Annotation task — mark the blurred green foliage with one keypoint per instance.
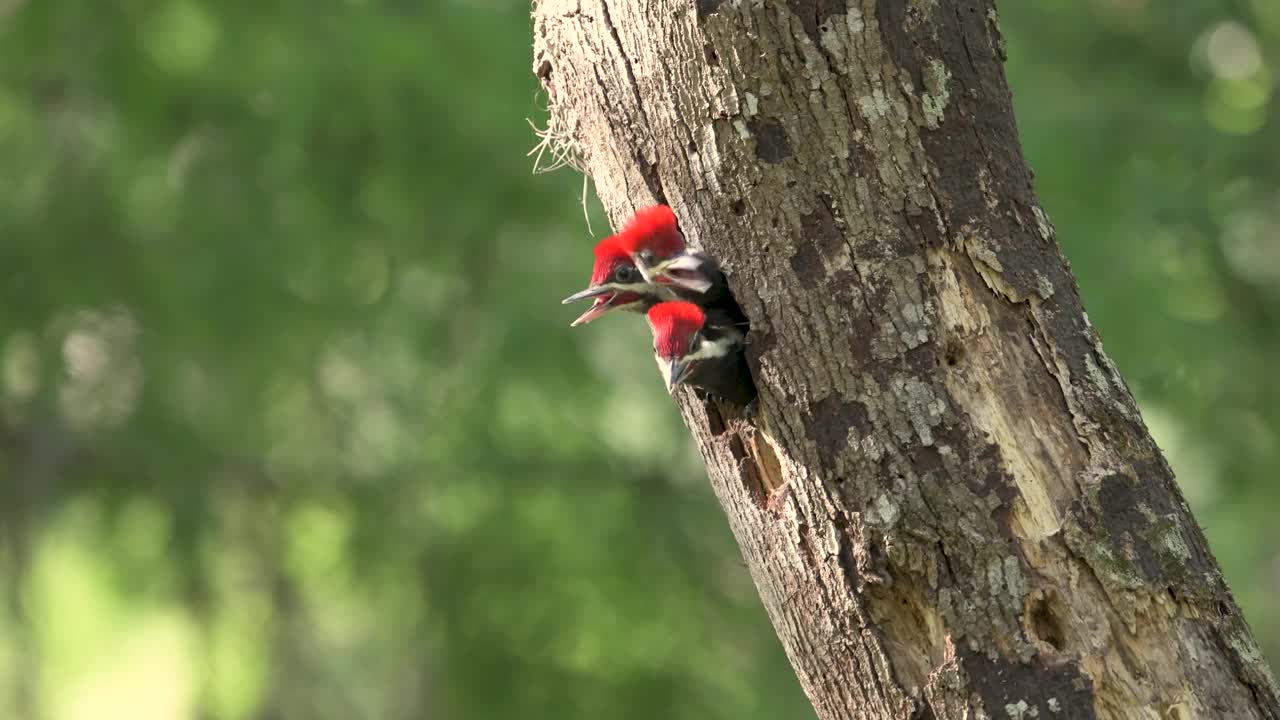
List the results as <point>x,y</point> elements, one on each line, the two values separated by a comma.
<point>292,426</point>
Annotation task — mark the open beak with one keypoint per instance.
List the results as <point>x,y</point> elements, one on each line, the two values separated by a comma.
<point>682,271</point>
<point>680,371</point>
<point>601,306</point>
<point>594,291</point>
<point>604,297</point>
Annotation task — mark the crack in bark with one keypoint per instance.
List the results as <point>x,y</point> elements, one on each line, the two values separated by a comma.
<point>648,169</point>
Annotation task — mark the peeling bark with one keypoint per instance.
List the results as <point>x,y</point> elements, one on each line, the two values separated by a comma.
<point>948,500</point>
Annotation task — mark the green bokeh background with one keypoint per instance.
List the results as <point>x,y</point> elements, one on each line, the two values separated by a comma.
<point>292,424</point>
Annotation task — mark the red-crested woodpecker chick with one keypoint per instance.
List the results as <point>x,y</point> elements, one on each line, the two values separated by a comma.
<point>703,353</point>
<point>652,236</point>
<point>653,239</point>
<point>616,284</point>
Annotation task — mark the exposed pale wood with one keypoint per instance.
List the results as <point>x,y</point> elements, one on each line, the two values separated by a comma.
<point>948,500</point>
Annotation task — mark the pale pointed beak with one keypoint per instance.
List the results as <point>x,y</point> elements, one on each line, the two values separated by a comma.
<point>601,306</point>
<point>683,271</point>
<point>680,371</point>
<point>591,292</point>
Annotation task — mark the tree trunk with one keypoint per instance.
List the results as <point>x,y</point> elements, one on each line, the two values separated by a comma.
<point>947,499</point>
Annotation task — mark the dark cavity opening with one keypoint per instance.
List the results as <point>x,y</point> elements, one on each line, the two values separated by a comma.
<point>1045,622</point>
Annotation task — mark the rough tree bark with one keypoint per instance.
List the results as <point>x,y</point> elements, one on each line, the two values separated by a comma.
<point>948,500</point>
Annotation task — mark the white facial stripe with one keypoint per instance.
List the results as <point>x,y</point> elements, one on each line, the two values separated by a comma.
<point>640,288</point>
<point>726,345</point>
<point>664,367</point>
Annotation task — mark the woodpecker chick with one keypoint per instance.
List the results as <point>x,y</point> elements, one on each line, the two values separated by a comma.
<point>657,246</point>
<point>703,353</point>
<point>616,284</point>
<point>652,236</point>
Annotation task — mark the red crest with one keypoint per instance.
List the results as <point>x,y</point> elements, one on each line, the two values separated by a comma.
<point>609,255</point>
<point>674,325</point>
<point>654,229</point>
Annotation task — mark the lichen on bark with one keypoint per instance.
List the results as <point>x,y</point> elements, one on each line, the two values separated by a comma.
<point>948,499</point>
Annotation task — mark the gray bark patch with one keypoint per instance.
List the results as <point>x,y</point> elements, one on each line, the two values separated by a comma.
<point>831,419</point>
<point>813,15</point>
<point>1144,524</point>
<point>807,264</point>
<point>892,18</point>
<point>1029,690</point>
<point>708,7</point>
<point>820,225</point>
<point>771,141</point>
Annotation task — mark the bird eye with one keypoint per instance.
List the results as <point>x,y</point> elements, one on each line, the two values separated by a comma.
<point>625,274</point>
